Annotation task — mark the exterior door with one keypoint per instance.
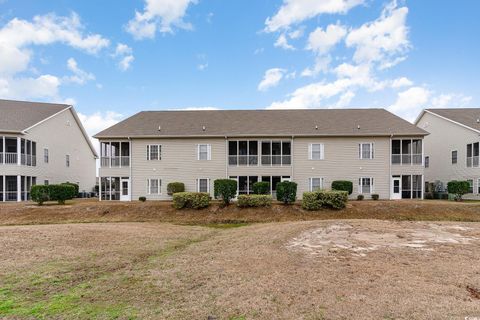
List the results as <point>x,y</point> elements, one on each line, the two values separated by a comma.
<point>124,189</point>
<point>396,188</point>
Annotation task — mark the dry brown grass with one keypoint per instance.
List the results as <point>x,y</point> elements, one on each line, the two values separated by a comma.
<point>80,211</point>
<point>163,271</point>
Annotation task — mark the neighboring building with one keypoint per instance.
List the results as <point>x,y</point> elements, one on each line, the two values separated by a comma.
<point>376,150</point>
<point>452,147</point>
<point>42,143</point>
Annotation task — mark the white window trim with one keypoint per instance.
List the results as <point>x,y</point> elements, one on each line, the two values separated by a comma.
<point>67,161</point>
<point>322,151</point>
<point>46,155</point>
<point>209,151</point>
<point>451,157</point>
<point>478,186</point>
<point>159,186</point>
<point>208,184</point>
<point>360,150</point>
<point>159,152</point>
<point>360,186</point>
<point>310,183</point>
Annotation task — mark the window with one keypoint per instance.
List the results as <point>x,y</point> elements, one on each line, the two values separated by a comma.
<point>276,153</point>
<point>316,151</point>
<point>407,151</point>
<point>45,155</point>
<point>154,186</point>
<point>454,157</point>
<point>46,182</point>
<point>315,184</point>
<point>365,185</point>
<point>203,185</point>
<point>67,160</point>
<point>470,182</point>
<point>154,152</point>
<point>204,152</point>
<point>365,150</point>
<point>478,185</point>
<point>427,161</point>
<point>243,153</point>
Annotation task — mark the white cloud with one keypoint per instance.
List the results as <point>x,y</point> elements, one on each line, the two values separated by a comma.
<point>322,64</point>
<point>282,42</point>
<point>79,76</point>
<point>202,66</point>
<point>383,39</point>
<point>195,109</point>
<point>125,55</point>
<point>450,101</point>
<point>271,78</point>
<point>296,34</point>
<point>401,82</point>
<point>159,15</point>
<point>98,121</point>
<point>344,100</point>
<point>410,102</point>
<point>322,41</point>
<point>44,86</point>
<point>295,11</point>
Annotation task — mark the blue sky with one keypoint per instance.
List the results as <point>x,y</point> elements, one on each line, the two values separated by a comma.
<point>112,60</point>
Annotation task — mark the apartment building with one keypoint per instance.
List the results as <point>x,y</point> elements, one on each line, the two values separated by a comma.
<point>452,148</point>
<point>42,143</point>
<point>376,150</point>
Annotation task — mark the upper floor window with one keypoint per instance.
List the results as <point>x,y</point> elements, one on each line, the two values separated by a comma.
<point>154,186</point>
<point>365,150</point>
<point>316,151</point>
<point>45,155</point>
<point>154,152</point>
<point>115,154</point>
<point>276,153</point>
<point>472,154</point>
<point>315,184</point>
<point>407,151</point>
<point>454,157</point>
<point>365,185</point>
<point>427,161</point>
<point>243,153</point>
<point>67,160</point>
<point>204,152</point>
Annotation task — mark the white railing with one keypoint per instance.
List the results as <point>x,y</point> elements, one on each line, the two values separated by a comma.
<point>473,161</point>
<point>243,160</point>
<point>115,162</point>
<point>407,158</point>
<point>10,158</point>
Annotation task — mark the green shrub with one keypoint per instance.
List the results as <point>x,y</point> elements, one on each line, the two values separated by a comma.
<point>60,192</point>
<point>375,196</point>
<point>192,200</point>
<point>261,187</point>
<point>174,187</point>
<point>324,199</point>
<point>360,197</point>
<point>225,189</point>
<point>343,185</point>
<point>254,200</point>
<point>458,188</point>
<point>39,194</point>
<point>75,186</point>
<point>142,199</point>
<point>286,192</point>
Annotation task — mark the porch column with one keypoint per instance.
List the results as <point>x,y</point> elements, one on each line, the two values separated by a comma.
<point>19,188</point>
<point>4,151</point>
<point>4,191</point>
<point>19,157</point>
<point>99,187</point>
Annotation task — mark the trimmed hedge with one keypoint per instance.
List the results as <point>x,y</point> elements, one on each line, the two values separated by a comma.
<point>53,192</point>
<point>287,192</point>
<point>192,200</point>
<point>174,187</point>
<point>254,200</point>
<point>225,189</point>
<point>458,188</point>
<point>142,199</point>
<point>360,197</point>
<point>261,187</point>
<point>77,188</point>
<point>375,196</point>
<point>343,185</point>
<point>324,199</point>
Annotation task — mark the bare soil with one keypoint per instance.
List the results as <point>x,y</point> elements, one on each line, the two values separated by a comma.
<point>332,269</point>
<point>161,211</point>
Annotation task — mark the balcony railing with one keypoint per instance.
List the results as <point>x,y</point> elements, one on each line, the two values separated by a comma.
<point>407,158</point>
<point>275,160</point>
<point>8,158</point>
<point>115,162</point>
<point>28,160</point>
<point>473,161</point>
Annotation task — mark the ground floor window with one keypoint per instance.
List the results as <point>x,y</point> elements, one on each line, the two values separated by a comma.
<point>154,186</point>
<point>315,184</point>
<point>478,185</point>
<point>470,184</point>
<point>203,185</point>
<point>411,186</point>
<point>14,188</point>
<point>245,183</point>
<point>110,188</point>
<point>365,185</point>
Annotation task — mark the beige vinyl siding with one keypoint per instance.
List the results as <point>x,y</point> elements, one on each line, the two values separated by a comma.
<point>444,138</point>
<point>61,135</point>
<point>179,163</point>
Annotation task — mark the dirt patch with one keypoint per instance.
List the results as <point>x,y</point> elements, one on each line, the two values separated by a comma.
<point>361,240</point>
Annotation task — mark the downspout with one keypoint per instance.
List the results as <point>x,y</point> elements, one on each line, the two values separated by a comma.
<point>390,169</point>
<point>291,159</point>
<point>226,157</point>
<point>131,178</point>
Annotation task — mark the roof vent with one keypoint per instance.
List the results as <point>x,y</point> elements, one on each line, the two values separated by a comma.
<point>316,127</point>
<point>358,127</point>
<point>159,128</point>
<point>203,128</point>
<point>478,120</point>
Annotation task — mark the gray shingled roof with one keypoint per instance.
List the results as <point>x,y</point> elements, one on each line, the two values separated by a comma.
<point>330,122</point>
<point>469,117</point>
<point>16,116</point>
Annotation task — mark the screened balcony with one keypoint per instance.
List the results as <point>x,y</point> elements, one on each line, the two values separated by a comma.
<point>114,154</point>
<point>407,152</point>
<point>18,151</point>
